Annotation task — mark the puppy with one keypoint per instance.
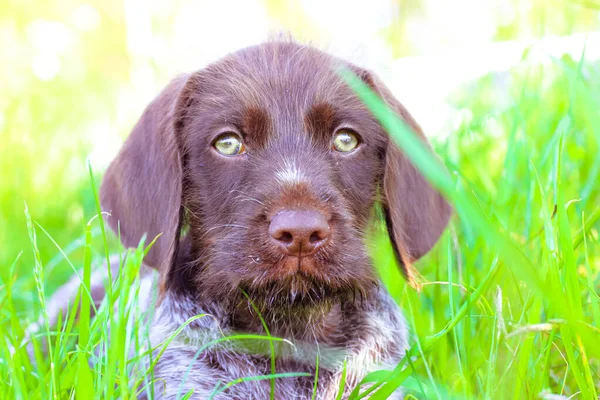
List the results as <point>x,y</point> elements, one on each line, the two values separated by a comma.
<point>261,174</point>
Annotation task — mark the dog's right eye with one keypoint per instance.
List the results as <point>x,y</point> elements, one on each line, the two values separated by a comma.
<point>229,144</point>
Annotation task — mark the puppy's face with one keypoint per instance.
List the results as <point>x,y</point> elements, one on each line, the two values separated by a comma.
<point>271,166</point>
<point>281,169</point>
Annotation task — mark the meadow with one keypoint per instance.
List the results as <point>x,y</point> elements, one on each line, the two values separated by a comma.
<point>509,300</point>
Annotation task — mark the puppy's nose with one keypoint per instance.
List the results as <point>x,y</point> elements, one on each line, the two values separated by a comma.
<point>299,233</point>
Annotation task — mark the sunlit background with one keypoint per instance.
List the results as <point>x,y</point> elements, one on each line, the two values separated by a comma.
<point>76,75</point>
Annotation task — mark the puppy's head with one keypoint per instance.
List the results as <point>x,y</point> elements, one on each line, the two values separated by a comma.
<point>269,167</point>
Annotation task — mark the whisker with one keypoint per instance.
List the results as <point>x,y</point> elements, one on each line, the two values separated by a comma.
<point>227,226</point>
<point>244,196</point>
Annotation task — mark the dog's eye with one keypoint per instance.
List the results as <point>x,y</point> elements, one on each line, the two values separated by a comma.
<point>345,141</point>
<point>229,144</point>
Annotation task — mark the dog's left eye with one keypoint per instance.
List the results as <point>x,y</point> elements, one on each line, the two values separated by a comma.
<point>229,144</point>
<point>345,141</point>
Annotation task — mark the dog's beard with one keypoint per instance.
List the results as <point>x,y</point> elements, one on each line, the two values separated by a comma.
<point>263,280</point>
<point>303,294</point>
<point>292,302</point>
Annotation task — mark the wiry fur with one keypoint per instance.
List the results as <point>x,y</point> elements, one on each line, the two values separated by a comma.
<point>215,256</point>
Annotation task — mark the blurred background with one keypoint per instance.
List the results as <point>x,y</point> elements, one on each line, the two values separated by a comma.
<point>76,75</point>
<point>491,82</point>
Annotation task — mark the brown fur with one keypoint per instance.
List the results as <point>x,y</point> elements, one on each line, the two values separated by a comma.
<point>286,101</point>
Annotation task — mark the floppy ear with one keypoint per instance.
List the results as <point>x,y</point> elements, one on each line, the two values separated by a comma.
<point>141,190</point>
<point>416,214</point>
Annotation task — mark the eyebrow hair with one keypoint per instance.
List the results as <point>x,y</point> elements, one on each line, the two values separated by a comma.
<point>256,125</point>
<point>320,121</point>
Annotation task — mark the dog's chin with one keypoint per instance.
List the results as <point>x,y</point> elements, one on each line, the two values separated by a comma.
<point>303,285</point>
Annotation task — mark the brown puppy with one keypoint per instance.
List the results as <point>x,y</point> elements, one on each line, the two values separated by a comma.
<point>261,172</point>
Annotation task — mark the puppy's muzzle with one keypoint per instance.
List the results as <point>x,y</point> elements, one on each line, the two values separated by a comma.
<point>299,233</point>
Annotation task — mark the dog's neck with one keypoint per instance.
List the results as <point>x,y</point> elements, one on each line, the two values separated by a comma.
<point>322,324</point>
<point>372,331</point>
<point>326,324</point>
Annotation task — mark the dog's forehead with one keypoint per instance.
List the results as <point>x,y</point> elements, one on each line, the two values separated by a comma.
<point>272,75</point>
<point>279,89</point>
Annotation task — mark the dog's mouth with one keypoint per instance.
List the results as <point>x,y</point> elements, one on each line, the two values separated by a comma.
<point>298,292</point>
<point>297,265</point>
<point>299,283</point>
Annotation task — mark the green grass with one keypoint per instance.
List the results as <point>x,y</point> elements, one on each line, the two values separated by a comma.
<point>509,306</point>
<point>526,319</point>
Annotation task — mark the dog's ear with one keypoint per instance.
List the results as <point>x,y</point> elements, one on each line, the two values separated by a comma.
<point>416,214</point>
<point>142,188</point>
